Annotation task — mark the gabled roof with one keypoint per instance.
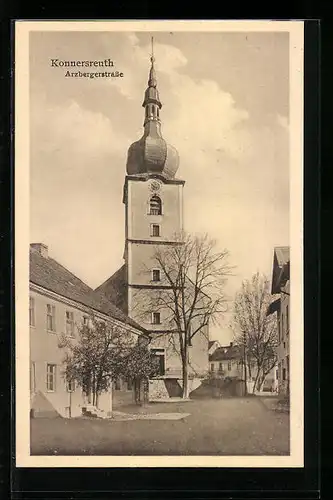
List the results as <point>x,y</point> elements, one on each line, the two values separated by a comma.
<point>281,267</point>
<point>49,274</point>
<point>115,288</point>
<point>226,353</point>
<point>282,255</point>
<point>211,343</point>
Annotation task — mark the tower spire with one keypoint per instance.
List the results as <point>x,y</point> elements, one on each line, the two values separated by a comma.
<point>151,153</point>
<point>152,50</point>
<point>152,82</point>
<point>152,103</point>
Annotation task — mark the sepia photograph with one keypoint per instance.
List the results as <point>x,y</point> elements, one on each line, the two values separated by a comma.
<point>159,310</point>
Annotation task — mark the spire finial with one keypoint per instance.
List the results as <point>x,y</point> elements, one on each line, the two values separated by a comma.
<point>152,58</point>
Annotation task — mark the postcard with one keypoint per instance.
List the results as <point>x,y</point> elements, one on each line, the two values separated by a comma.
<point>159,243</point>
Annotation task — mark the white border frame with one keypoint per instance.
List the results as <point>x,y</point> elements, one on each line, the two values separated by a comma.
<point>296,44</point>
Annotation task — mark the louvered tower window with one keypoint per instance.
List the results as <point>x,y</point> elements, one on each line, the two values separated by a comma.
<point>155,205</point>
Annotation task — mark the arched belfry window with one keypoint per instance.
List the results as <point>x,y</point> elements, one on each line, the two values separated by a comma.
<point>155,205</point>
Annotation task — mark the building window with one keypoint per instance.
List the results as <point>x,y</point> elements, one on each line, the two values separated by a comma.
<point>70,384</point>
<point>220,367</point>
<point>33,376</point>
<point>50,318</point>
<point>229,366</point>
<point>31,311</point>
<point>155,230</point>
<point>160,355</point>
<point>212,367</point>
<point>156,318</point>
<point>282,327</point>
<point>287,318</point>
<point>51,378</point>
<point>155,205</point>
<point>85,320</point>
<point>70,323</point>
<point>156,275</point>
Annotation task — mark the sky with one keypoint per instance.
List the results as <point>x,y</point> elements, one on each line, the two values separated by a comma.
<point>225,108</point>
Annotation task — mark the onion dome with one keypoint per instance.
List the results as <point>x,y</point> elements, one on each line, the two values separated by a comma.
<point>151,154</point>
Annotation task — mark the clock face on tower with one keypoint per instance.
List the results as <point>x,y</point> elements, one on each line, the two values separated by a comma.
<point>155,186</point>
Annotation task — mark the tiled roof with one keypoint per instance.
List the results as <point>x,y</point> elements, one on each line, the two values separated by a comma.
<point>281,268</point>
<point>115,288</point>
<point>225,353</point>
<point>49,274</point>
<point>282,255</point>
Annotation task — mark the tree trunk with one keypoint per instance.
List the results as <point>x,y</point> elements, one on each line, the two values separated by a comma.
<point>256,380</point>
<point>185,379</point>
<point>245,373</point>
<point>145,382</point>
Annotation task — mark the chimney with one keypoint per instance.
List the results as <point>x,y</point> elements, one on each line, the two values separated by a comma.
<point>40,248</point>
<point>231,344</point>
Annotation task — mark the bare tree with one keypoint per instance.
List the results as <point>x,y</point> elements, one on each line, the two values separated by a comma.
<point>255,331</point>
<point>191,295</point>
<point>102,353</point>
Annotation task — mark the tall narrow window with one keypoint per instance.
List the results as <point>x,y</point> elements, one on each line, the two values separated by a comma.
<point>33,376</point>
<point>155,230</point>
<point>31,311</point>
<point>220,367</point>
<point>287,318</point>
<point>51,378</point>
<point>282,326</point>
<point>156,275</point>
<point>155,205</point>
<point>156,318</point>
<point>50,318</point>
<point>212,367</point>
<point>70,323</point>
<point>229,366</point>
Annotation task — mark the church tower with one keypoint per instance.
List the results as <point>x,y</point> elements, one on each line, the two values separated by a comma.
<point>153,199</point>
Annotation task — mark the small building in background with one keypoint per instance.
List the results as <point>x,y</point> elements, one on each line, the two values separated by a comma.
<point>226,361</point>
<point>281,307</point>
